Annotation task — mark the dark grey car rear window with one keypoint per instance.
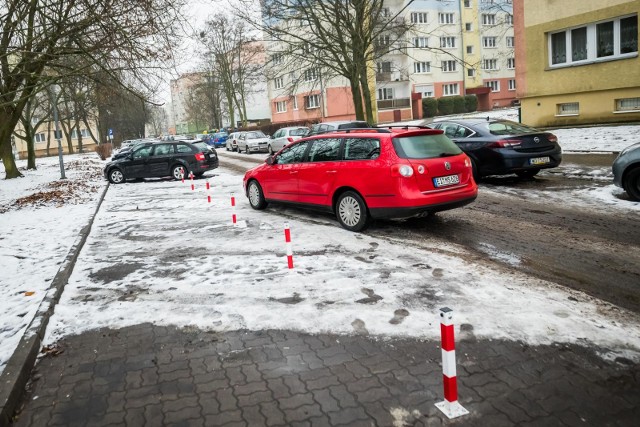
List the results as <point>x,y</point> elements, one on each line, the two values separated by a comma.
<point>425,147</point>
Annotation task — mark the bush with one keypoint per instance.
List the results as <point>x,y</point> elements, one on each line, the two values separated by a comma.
<point>429,107</point>
<point>458,104</point>
<point>470,103</point>
<point>104,150</point>
<point>445,105</point>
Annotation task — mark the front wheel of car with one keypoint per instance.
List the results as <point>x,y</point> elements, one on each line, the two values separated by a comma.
<point>256,196</point>
<point>246,150</point>
<point>270,149</point>
<point>631,184</point>
<point>351,211</point>
<point>227,147</point>
<point>528,173</point>
<point>178,172</point>
<point>116,176</point>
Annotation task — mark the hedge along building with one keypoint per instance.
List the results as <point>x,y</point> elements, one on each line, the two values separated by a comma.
<point>578,61</point>
<point>453,48</point>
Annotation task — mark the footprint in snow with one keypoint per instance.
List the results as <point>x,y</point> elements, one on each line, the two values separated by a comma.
<point>372,297</point>
<point>359,327</point>
<point>437,272</point>
<point>398,316</point>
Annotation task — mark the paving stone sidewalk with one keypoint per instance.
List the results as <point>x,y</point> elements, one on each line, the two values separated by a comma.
<point>157,376</point>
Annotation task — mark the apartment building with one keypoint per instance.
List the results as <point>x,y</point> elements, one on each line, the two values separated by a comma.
<point>578,61</point>
<point>453,47</point>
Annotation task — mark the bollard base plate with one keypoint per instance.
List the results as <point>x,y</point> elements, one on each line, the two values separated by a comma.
<point>451,409</point>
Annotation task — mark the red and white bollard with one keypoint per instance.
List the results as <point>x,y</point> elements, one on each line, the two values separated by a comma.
<point>182,175</point>
<point>193,187</point>
<point>208,192</point>
<point>450,406</point>
<point>233,209</point>
<point>287,239</point>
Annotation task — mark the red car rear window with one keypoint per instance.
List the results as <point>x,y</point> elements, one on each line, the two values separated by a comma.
<point>425,146</point>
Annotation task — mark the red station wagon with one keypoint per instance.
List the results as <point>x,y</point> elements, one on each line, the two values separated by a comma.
<point>359,174</point>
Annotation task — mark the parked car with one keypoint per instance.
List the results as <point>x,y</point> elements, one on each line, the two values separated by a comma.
<point>360,174</point>
<point>232,141</point>
<point>502,147</point>
<point>127,146</point>
<point>285,136</point>
<point>253,141</point>
<point>161,159</point>
<point>626,171</point>
<point>219,139</point>
<point>325,127</point>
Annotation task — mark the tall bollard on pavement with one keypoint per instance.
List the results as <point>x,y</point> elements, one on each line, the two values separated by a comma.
<point>233,209</point>
<point>193,187</point>
<point>287,239</point>
<point>208,192</point>
<point>450,406</point>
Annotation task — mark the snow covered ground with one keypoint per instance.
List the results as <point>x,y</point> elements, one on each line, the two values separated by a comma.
<point>336,286</point>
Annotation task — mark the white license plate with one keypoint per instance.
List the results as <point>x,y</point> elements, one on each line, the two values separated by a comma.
<point>539,160</point>
<point>446,180</point>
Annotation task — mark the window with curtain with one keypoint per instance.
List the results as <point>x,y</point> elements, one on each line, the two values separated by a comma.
<point>604,39</point>
<point>629,34</point>
<point>558,48</point>
<point>579,44</point>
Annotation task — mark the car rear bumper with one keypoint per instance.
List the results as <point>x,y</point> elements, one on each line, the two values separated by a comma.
<point>417,211</point>
<point>506,162</point>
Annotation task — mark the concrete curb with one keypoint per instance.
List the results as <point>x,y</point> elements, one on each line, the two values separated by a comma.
<point>18,369</point>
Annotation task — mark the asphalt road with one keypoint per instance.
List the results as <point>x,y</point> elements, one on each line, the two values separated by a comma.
<point>595,251</point>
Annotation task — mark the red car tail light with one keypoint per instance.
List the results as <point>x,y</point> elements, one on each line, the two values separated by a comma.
<point>200,157</point>
<point>552,138</point>
<point>505,143</point>
<point>401,170</point>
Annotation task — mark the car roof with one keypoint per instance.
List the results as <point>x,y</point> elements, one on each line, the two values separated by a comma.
<point>394,131</point>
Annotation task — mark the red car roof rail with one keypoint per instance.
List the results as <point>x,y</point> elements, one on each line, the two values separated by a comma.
<point>349,130</point>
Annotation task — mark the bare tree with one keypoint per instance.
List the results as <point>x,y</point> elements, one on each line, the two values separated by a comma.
<point>37,38</point>
<point>157,120</point>
<point>36,112</point>
<point>334,38</point>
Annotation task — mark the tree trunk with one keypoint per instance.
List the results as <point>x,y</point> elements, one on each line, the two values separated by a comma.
<point>48,138</point>
<point>7,124</point>
<point>357,97</point>
<point>366,94</point>
<point>31,149</point>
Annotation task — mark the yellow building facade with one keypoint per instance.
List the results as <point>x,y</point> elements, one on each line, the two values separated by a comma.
<point>577,61</point>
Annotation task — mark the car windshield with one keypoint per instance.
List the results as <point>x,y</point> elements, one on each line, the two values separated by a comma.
<point>255,135</point>
<point>509,128</point>
<point>298,132</point>
<point>425,147</point>
<point>203,146</point>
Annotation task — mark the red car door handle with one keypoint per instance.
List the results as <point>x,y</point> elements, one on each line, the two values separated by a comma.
<point>292,172</point>
<point>331,171</point>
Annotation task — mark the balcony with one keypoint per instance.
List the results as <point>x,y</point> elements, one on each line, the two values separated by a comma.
<point>392,104</point>
<point>395,76</point>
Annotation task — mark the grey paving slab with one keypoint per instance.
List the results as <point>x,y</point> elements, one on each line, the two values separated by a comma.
<point>155,376</point>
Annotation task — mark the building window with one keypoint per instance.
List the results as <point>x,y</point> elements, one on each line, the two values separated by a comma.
<point>425,90</point>
<point>450,89</point>
<point>471,72</point>
<point>467,3</point>
<point>447,42</point>
<point>277,58</point>
<point>568,109</point>
<point>421,41</point>
<point>384,67</point>
<point>385,12</point>
<point>494,85</point>
<point>617,38</point>
<point>508,18</point>
<point>39,137</point>
<point>384,40</point>
<point>385,93</point>
<point>467,26</point>
<point>489,41</point>
<point>448,66</point>
<point>445,18</point>
<point>295,102</point>
<point>511,41</point>
<point>312,101</point>
<point>512,84</point>
<point>281,106</point>
<point>279,82</point>
<point>627,104</point>
<point>469,50</point>
<point>421,67</point>
<point>310,74</point>
<point>488,19</point>
<point>418,17</point>
<point>511,63</point>
<point>490,64</point>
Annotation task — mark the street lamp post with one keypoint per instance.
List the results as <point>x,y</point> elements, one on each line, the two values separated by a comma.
<point>58,136</point>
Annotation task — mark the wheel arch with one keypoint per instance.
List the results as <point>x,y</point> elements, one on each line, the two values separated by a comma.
<point>341,190</point>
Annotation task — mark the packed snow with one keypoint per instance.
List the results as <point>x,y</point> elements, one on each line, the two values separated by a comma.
<point>342,282</point>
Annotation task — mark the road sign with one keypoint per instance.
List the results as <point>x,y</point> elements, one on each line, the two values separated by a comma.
<point>110,132</point>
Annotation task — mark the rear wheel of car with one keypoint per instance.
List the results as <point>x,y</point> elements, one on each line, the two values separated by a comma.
<point>256,197</point>
<point>474,171</point>
<point>351,211</point>
<point>529,173</point>
<point>631,184</point>
<point>178,172</point>
<point>227,147</point>
<point>116,176</point>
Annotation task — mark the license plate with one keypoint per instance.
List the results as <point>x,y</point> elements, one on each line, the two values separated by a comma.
<point>443,181</point>
<point>539,160</point>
